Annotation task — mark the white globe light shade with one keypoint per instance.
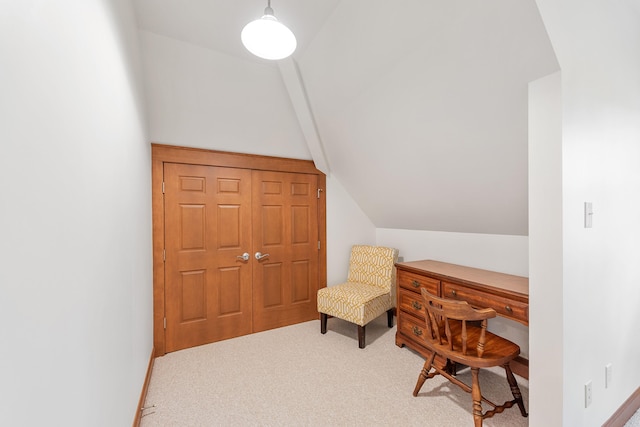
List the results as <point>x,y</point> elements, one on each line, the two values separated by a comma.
<point>268,38</point>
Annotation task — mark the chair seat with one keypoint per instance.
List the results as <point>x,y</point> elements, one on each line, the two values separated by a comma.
<point>497,350</point>
<point>355,302</point>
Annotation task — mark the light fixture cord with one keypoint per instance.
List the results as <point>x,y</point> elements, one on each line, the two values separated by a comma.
<point>268,10</point>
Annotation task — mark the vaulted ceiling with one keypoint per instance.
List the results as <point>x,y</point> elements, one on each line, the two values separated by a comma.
<point>420,105</point>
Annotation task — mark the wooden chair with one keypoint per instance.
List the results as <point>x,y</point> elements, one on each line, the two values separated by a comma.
<point>457,332</point>
<point>368,292</point>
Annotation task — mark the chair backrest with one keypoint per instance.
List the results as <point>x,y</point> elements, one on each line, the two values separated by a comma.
<point>447,324</point>
<point>373,265</point>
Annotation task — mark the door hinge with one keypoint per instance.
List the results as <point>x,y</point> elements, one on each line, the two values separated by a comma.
<point>319,190</point>
<point>164,255</point>
<point>165,323</point>
<point>162,187</point>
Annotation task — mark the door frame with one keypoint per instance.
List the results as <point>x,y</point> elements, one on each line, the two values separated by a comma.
<point>161,154</point>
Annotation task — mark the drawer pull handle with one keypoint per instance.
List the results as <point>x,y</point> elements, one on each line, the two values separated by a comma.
<point>415,284</point>
<point>416,305</point>
<point>509,309</point>
<point>417,331</point>
<point>454,293</point>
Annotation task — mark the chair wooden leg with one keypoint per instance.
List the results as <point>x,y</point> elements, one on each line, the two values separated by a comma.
<point>323,323</point>
<point>390,318</point>
<point>423,374</point>
<point>361,342</point>
<point>515,390</point>
<point>476,394</point>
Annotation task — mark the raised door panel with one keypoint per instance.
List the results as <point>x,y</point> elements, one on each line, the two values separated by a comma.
<point>207,226</point>
<point>285,228</point>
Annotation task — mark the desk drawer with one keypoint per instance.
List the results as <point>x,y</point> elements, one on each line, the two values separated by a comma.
<point>505,307</point>
<point>413,328</point>
<point>414,282</point>
<point>411,302</point>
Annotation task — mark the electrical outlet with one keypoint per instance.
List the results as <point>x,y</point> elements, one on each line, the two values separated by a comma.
<point>588,395</point>
<point>608,375</point>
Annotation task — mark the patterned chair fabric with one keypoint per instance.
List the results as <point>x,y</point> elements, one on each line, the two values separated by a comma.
<point>370,287</point>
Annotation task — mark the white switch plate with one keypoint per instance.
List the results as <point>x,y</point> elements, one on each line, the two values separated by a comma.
<point>588,214</point>
<point>608,375</point>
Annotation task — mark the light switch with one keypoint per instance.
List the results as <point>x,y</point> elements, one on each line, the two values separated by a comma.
<point>588,214</point>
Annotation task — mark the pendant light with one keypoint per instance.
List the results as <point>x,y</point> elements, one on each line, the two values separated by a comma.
<point>267,37</point>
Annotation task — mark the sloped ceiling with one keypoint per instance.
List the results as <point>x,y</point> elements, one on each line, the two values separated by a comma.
<point>420,105</point>
<point>216,24</point>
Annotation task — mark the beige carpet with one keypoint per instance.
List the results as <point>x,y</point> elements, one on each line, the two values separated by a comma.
<point>295,376</point>
<point>634,421</point>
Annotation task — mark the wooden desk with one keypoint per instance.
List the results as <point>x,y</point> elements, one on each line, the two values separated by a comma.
<point>507,294</point>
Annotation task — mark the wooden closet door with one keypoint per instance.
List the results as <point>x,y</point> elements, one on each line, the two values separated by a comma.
<point>207,226</point>
<point>285,226</point>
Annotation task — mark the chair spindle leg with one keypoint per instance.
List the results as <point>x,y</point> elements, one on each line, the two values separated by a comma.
<point>476,394</point>
<point>423,374</point>
<point>515,390</point>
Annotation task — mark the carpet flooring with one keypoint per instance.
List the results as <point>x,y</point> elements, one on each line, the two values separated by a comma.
<point>294,376</point>
<point>634,421</point>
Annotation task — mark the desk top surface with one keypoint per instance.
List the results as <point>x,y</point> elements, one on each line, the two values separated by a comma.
<point>471,275</point>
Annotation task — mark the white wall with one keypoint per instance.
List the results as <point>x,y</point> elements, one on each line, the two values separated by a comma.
<point>598,46</point>
<point>545,252</point>
<point>425,103</point>
<point>198,97</point>
<point>506,254</point>
<point>347,225</point>
<point>75,216</point>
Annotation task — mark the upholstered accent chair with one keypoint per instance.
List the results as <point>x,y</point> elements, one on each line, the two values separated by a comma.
<point>370,290</point>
